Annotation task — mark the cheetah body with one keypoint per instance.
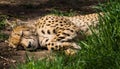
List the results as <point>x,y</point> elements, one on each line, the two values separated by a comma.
<point>53,32</point>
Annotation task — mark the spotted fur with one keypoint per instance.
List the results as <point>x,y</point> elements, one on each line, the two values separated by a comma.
<point>53,32</point>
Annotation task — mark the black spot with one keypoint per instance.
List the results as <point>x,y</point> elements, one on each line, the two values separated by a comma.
<point>88,19</point>
<point>56,46</point>
<point>44,21</point>
<point>45,44</point>
<point>52,44</point>
<point>61,37</point>
<point>42,18</point>
<point>54,31</point>
<point>60,22</point>
<point>48,31</point>
<point>67,29</point>
<point>58,39</point>
<point>57,28</point>
<point>42,31</point>
<point>46,18</point>
<point>49,21</point>
<point>58,34</point>
<point>48,44</point>
<point>59,48</point>
<point>56,21</point>
<point>71,30</point>
<point>46,40</point>
<point>61,25</point>
<point>64,21</point>
<point>64,47</point>
<point>66,34</point>
<point>42,26</point>
<point>56,24</point>
<point>83,26</point>
<point>39,26</point>
<point>52,48</point>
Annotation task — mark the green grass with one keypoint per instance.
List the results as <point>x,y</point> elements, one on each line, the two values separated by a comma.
<point>63,13</point>
<point>2,27</point>
<point>3,36</point>
<point>99,51</point>
<point>2,21</point>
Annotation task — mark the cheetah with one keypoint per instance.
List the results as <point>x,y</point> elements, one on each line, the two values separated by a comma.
<point>54,32</point>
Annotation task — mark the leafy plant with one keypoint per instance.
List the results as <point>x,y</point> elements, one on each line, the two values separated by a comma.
<point>2,21</point>
<point>63,13</point>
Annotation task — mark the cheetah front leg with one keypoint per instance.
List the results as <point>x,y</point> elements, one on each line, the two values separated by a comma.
<point>67,47</point>
<point>62,46</point>
<point>56,45</point>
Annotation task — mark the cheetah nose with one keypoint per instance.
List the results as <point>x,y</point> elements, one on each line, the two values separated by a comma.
<point>29,45</point>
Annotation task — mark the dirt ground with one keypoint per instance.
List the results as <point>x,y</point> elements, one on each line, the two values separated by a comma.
<point>30,11</point>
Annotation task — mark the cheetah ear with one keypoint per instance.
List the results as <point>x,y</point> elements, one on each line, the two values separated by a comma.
<point>15,23</point>
<point>12,24</point>
<point>8,23</point>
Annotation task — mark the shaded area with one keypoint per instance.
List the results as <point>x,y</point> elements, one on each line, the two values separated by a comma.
<point>29,10</point>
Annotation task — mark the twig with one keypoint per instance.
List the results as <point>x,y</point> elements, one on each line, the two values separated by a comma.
<point>9,60</point>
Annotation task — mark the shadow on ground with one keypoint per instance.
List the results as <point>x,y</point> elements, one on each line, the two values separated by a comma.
<point>30,10</point>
